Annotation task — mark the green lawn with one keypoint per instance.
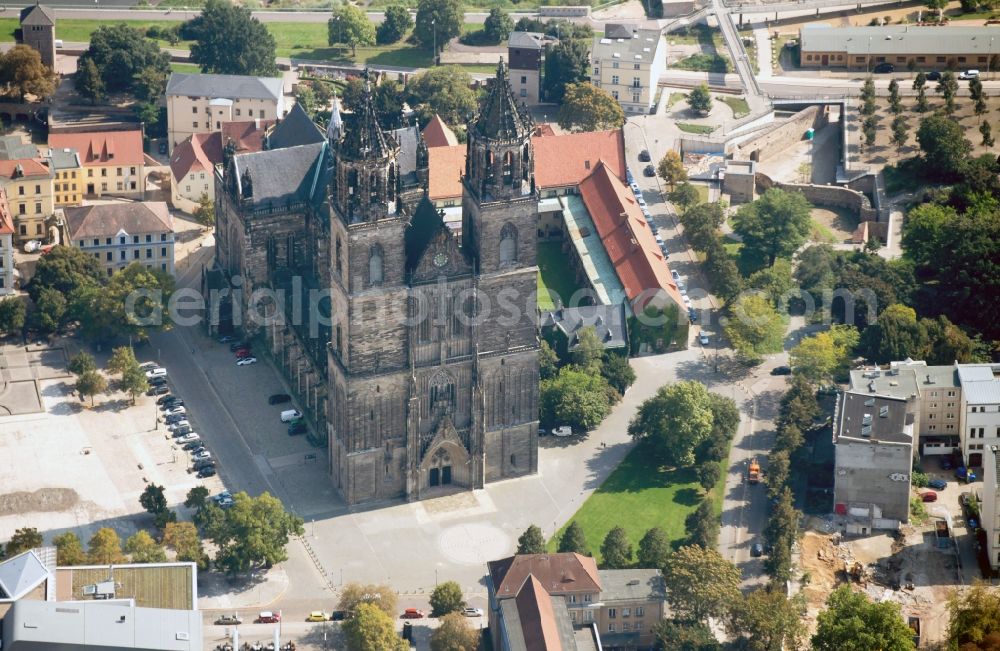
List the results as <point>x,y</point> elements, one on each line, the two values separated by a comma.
<point>820,233</point>
<point>695,128</point>
<point>185,67</point>
<point>638,496</point>
<point>554,276</point>
<point>702,192</point>
<point>738,105</point>
<point>674,98</point>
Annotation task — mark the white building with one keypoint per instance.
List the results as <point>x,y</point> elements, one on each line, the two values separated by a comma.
<point>628,62</point>
<point>980,402</point>
<point>118,234</point>
<point>6,246</point>
<point>990,510</point>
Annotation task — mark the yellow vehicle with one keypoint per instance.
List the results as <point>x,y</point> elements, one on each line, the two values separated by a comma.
<point>317,616</point>
<point>753,474</point>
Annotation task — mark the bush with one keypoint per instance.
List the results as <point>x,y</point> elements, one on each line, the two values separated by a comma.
<point>919,479</point>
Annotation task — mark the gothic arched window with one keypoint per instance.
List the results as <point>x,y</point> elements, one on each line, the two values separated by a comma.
<point>373,188</point>
<point>508,244</point>
<point>525,161</point>
<point>339,257</point>
<point>375,264</point>
<point>442,392</point>
<point>508,168</point>
<point>391,189</point>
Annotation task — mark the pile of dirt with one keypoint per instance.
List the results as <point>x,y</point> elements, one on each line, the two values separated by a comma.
<point>43,499</point>
<point>822,560</point>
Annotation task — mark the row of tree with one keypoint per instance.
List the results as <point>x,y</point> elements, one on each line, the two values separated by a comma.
<point>90,382</point>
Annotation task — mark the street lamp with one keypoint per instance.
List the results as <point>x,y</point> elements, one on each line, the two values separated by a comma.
<point>435,41</point>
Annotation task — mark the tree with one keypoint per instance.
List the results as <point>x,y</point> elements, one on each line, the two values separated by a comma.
<point>775,281</point>
<point>924,229</point>
<point>90,384</point>
<point>700,583</point>
<point>675,420</point>
<point>81,363</point>
<point>438,21</point>
<point>616,550</point>
<point>765,620</point>
<point>12,312</point>
<point>895,335</point>
<point>105,547</point>
<point>349,24</point>
<point>23,73</point>
<point>773,226</point>
<point>671,169</point>
<point>143,549</point>
<point>852,623</point>
<point>205,212</point>
<point>446,598</point>
<point>196,498</point>
<point>573,540</point>
<point>548,361</point>
<point>900,131</point>
<point>183,538</point>
<point>354,595</point>
<point>153,499</point>
<point>702,526</point>
<point>574,397</point>
<point>88,81</point>
<point>675,635</point>
<point>936,5</point>
<point>497,26</point>
<point>922,105</point>
<point>781,531</point>
<point>708,474</point>
<point>567,62</point>
<point>69,550</point>
<point>685,196</point>
<point>779,468</point>
<point>946,343</point>
<point>122,359</point>
<point>531,541</point>
<point>128,61</point>
<point>895,105</point>
<point>948,87</point>
<point>65,269</point>
<point>396,24</point>
<point>869,128</point>
<point>700,99</point>
<point>987,133</point>
<point>132,304</point>
<point>654,548</point>
<point>455,634</point>
<point>618,372</point>
<point>920,81</point>
<point>254,531</point>
<point>980,106</point>
<point>588,354</point>
<point>868,97</point>
<point>23,539</point>
<point>230,41</point>
<point>975,617</point>
<point>447,90</point>
<point>722,272</point>
<point>755,328</point>
<point>824,355</point>
<point>586,107</point>
<point>370,628</point>
<point>702,221</point>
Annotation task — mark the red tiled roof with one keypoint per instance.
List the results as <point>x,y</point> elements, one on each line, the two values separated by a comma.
<point>248,135</point>
<point>6,219</point>
<point>544,129</point>
<point>102,147</point>
<point>538,618</point>
<point>557,573</point>
<point>30,168</point>
<point>630,243</point>
<point>438,134</point>
<point>203,151</point>
<point>567,159</point>
<point>445,168</point>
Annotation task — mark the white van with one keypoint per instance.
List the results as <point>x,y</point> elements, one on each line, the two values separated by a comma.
<point>59,43</point>
<point>289,415</point>
<point>969,74</point>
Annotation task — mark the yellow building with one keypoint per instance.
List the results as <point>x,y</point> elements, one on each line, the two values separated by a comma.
<point>68,177</point>
<point>627,63</point>
<point>28,184</point>
<point>113,161</point>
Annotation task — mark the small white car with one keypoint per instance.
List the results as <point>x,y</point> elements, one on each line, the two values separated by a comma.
<point>181,424</point>
<point>148,366</point>
<point>175,410</point>
<point>289,415</point>
<point>204,454</point>
<point>224,495</point>
<point>969,74</point>
<point>31,246</point>
<point>676,276</point>
<point>473,612</point>
<point>157,371</point>
<point>564,430</point>
<point>703,339</point>
<point>246,361</point>
<point>187,438</point>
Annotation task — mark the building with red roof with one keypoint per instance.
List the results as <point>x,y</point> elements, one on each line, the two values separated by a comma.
<point>438,134</point>
<point>6,246</point>
<point>28,184</point>
<point>113,161</point>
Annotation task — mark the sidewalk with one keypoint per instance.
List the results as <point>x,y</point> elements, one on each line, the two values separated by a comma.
<point>216,592</point>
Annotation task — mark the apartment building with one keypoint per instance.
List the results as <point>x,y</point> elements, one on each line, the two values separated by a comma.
<point>118,234</point>
<point>199,103</point>
<point>990,509</point>
<point>113,162</point>
<point>628,62</point>
<point>925,48</point>
<point>526,52</point>
<point>980,407</point>
<point>67,173</point>
<point>28,184</point>
<point>6,246</point>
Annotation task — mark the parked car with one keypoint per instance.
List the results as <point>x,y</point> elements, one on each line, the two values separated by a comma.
<point>162,400</point>
<point>692,315</point>
<point>182,430</point>
<point>757,550</point>
<point>628,176</point>
<point>279,398</point>
<point>781,370</point>
<point>676,276</point>
<point>542,431</point>
<point>412,613</point>
<point>233,347</point>
<point>203,463</point>
<point>928,496</point>
<point>297,428</point>
<point>175,410</point>
<point>145,366</point>
<point>649,170</point>
<point>189,437</point>
<point>289,415</point>
<point>244,352</point>
<point>338,615</point>
<point>246,361</point>
<point>175,418</point>
<point>228,620</point>
<point>163,148</point>
<point>969,74</point>
<point>157,381</point>
<point>158,391</point>
<point>157,371</point>
<point>173,403</point>
<point>563,430</point>
<point>223,495</point>
<point>202,454</point>
<point>933,75</point>
<point>946,463</point>
<point>31,246</point>
<point>962,473</point>
<point>703,339</point>
<point>207,471</point>
<point>267,617</point>
<point>473,612</point>
<point>938,484</point>
<point>225,339</point>
<point>317,616</point>
<point>883,68</point>
<point>971,524</point>
<point>178,425</point>
<point>644,156</point>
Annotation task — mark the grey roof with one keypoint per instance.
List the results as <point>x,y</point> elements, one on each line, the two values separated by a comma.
<point>408,139</point>
<point>13,148</point>
<point>607,320</point>
<point>21,574</point>
<point>108,219</point>
<point>38,15</point>
<point>108,625</point>
<point>63,159</point>
<point>638,46</point>
<point>872,418</point>
<point>294,129</point>
<point>632,585</point>
<point>980,383</point>
<point>516,638</point>
<point>224,86</point>
<point>618,30</point>
<point>900,39</point>
<point>529,40</point>
<point>283,176</point>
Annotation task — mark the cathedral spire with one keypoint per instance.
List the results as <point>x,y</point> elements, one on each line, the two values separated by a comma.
<point>500,116</point>
<point>365,139</point>
<point>335,126</point>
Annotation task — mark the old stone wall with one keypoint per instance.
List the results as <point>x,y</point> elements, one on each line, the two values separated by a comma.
<point>825,195</point>
<point>775,141</point>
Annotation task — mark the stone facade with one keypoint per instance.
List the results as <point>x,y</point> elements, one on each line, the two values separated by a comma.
<point>425,376</point>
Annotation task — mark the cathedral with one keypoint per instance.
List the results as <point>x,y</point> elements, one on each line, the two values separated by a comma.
<point>415,349</point>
